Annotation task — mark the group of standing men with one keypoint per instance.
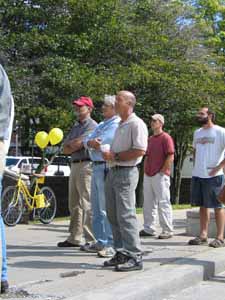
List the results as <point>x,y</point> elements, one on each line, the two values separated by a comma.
<point>103,180</point>
<point>104,176</point>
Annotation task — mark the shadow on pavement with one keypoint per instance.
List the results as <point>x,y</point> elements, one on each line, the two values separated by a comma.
<point>32,264</point>
<point>220,279</point>
<point>164,244</point>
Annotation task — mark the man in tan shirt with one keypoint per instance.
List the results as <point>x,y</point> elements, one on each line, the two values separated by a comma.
<point>128,147</point>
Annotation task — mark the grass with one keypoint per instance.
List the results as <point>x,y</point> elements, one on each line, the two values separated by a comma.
<point>181,206</point>
<point>139,210</point>
<point>57,219</point>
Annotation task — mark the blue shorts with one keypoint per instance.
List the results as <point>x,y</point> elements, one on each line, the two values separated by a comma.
<point>204,191</point>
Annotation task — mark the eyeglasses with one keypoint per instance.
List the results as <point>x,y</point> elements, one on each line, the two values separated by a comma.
<point>106,105</point>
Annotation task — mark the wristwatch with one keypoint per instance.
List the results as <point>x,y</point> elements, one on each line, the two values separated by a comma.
<point>116,156</point>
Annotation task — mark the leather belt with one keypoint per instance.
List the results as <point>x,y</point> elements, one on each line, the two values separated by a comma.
<point>80,160</point>
<point>122,167</point>
<point>98,162</point>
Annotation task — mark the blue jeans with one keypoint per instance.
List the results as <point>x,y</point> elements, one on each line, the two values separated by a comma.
<point>101,227</point>
<point>120,204</point>
<point>3,242</point>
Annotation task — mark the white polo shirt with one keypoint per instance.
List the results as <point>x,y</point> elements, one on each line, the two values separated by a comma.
<point>130,134</point>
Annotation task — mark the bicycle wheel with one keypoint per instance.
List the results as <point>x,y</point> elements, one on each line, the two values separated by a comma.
<point>47,214</point>
<point>12,205</point>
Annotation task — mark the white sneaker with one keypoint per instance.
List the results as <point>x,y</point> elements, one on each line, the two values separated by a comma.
<point>106,252</point>
<point>91,247</point>
<point>165,235</point>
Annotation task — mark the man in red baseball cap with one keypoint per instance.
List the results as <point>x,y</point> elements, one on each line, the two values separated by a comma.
<point>83,100</point>
<point>80,176</point>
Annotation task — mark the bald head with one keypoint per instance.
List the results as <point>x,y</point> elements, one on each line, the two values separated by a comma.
<point>128,96</point>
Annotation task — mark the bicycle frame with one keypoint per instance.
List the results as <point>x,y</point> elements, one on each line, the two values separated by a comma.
<point>26,193</point>
<point>23,197</point>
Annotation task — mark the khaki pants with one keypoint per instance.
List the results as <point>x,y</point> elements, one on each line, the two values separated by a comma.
<point>79,203</point>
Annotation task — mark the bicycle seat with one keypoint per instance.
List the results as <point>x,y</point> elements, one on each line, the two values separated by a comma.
<point>16,175</point>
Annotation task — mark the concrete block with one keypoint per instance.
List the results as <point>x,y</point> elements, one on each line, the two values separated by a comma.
<point>193,223</point>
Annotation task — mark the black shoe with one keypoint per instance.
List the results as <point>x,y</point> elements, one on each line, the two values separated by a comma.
<point>67,244</point>
<point>131,265</point>
<point>118,258</point>
<point>144,233</point>
<point>4,286</point>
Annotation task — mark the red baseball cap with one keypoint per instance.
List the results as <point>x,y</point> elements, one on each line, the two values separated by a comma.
<point>83,101</point>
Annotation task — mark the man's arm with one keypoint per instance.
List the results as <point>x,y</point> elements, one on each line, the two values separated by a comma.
<point>215,170</point>
<point>77,144</point>
<point>73,146</point>
<point>194,151</point>
<point>167,163</point>
<point>123,156</point>
<point>95,143</point>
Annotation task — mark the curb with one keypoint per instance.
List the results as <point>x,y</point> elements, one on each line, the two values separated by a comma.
<point>161,283</point>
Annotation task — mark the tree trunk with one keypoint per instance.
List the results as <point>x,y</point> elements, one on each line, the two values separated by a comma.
<point>139,189</point>
<point>180,154</point>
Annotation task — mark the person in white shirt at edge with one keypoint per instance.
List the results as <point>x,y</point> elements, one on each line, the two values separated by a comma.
<point>6,123</point>
<point>207,176</point>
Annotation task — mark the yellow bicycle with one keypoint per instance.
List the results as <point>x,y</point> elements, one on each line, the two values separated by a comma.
<point>19,198</point>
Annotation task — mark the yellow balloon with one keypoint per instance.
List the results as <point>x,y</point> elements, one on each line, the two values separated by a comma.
<point>41,139</point>
<point>55,136</point>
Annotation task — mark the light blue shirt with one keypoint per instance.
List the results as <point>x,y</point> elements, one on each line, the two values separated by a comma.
<point>105,131</point>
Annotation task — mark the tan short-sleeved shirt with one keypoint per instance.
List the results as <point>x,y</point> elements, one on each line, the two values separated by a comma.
<point>131,134</point>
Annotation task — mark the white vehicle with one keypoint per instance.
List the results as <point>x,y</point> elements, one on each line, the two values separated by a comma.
<point>28,164</point>
<point>59,166</point>
<point>24,164</point>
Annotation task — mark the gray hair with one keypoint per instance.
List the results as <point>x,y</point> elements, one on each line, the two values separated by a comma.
<point>109,100</point>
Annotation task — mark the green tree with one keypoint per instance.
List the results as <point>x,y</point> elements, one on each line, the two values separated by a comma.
<point>160,50</point>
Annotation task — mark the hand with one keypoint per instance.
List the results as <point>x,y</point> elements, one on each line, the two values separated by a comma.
<point>162,172</point>
<point>2,147</point>
<point>95,143</point>
<point>2,157</point>
<point>214,171</point>
<point>109,155</point>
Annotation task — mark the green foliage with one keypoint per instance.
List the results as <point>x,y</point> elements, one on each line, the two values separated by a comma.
<point>169,53</point>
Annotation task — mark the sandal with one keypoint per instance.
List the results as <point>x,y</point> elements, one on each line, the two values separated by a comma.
<point>217,243</point>
<point>198,241</point>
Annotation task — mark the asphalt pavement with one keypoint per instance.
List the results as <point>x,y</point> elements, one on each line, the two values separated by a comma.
<point>40,270</point>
